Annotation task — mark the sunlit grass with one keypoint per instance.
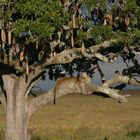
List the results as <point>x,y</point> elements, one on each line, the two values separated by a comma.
<point>88,133</point>
<point>77,117</point>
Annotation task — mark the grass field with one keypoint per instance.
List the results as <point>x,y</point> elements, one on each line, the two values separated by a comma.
<point>77,117</point>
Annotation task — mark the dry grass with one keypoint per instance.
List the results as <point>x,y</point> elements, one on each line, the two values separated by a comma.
<point>77,117</point>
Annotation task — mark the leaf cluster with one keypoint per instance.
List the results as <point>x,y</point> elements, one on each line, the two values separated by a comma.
<point>40,17</point>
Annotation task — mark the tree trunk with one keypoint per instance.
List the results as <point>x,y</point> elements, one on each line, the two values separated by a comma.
<point>16,119</point>
<point>16,109</point>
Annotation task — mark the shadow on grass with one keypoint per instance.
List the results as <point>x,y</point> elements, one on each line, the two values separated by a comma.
<point>2,135</point>
<point>133,134</point>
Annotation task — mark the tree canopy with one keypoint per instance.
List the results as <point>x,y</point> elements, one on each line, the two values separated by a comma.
<point>42,28</point>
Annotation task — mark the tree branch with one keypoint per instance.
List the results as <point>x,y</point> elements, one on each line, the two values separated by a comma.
<point>69,55</point>
<point>36,103</point>
<point>113,93</point>
<point>134,82</point>
<point>100,72</point>
<point>66,56</point>
<point>41,100</point>
<point>9,83</point>
<point>118,78</point>
<point>33,79</point>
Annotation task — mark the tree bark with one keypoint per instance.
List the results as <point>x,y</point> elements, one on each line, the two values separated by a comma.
<point>113,93</point>
<point>3,100</point>
<point>16,120</point>
<point>16,109</point>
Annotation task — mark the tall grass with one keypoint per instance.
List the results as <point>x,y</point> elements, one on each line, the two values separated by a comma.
<point>129,132</point>
<point>86,133</point>
<point>76,117</point>
<point>2,134</point>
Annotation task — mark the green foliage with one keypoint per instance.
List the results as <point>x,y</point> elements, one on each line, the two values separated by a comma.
<point>133,134</point>
<point>136,37</point>
<point>130,6</point>
<point>4,1</point>
<point>138,11</point>
<point>93,3</point>
<point>40,17</point>
<point>136,32</point>
<point>102,32</point>
<point>126,38</point>
<point>43,18</point>
<point>81,35</point>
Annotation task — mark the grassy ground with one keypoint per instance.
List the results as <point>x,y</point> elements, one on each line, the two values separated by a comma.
<point>77,117</point>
